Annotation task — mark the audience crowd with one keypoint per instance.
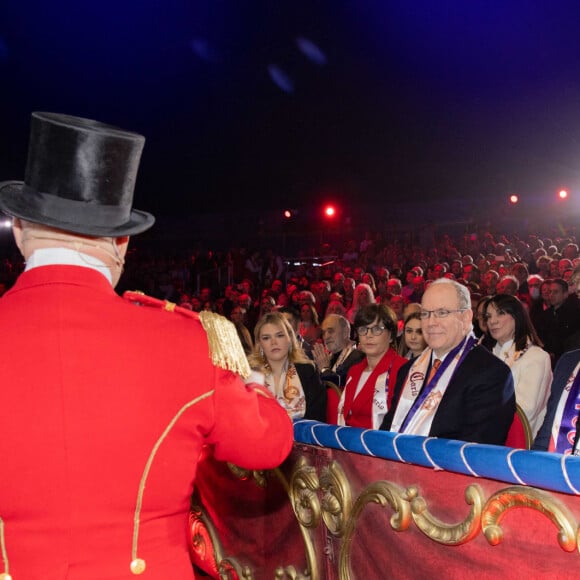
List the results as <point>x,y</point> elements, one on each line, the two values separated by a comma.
<point>524,299</point>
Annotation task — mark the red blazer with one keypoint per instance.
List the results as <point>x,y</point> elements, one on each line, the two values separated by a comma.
<point>358,412</point>
<point>90,382</point>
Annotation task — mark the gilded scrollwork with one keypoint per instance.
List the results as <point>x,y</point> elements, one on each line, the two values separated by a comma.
<point>503,501</point>
<point>336,499</point>
<point>323,494</point>
<point>259,477</point>
<point>303,488</point>
<point>289,572</point>
<point>441,532</point>
<point>383,493</point>
<point>207,552</point>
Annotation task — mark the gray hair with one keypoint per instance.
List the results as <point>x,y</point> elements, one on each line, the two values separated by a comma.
<point>463,296</point>
<point>342,321</point>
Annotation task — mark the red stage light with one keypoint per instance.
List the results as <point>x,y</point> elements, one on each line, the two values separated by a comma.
<point>514,199</point>
<point>287,214</point>
<point>562,194</point>
<point>329,211</point>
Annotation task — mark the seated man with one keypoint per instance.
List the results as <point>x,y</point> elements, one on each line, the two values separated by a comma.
<point>340,353</point>
<point>558,431</point>
<point>455,389</point>
<point>560,323</point>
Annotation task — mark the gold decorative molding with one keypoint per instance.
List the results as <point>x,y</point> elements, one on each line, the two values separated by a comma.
<point>231,570</point>
<point>440,532</point>
<point>337,498</point>
<point>323,493</point>
<point>519,496</point>
<point>289,572</point>
<point>305,504</point>
<point>383,493</point>
<point>303,486</point>
<point>260,477</point>
<point>206,548</point>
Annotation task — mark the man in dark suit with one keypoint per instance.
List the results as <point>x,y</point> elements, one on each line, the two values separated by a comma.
<point>560,322</point>
<point>339,353</point>
<point>455,389</point>
<point>564,374</point>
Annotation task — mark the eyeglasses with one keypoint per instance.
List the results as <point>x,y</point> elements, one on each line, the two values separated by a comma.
<point>374,330</point>
<point>439,313</point>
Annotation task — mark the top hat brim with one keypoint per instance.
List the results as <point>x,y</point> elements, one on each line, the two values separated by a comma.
<point>14,203</point>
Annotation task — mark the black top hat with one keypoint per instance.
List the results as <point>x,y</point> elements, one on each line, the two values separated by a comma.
<point>80,178</point>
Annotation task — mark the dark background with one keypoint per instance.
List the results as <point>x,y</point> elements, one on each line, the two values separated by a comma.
<point>463,101</point>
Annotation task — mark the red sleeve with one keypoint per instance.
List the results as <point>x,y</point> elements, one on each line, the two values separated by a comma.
<point>251,429</point>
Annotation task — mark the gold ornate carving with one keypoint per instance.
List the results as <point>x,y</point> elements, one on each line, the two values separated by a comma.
<point>324,493</point>
<point>289,572</point>
<point>382,493</point>
<point>440,532</point>
<point>337,499</point>
<point>231,570</point>
<point>206,549</point>
<point>500,503</point>
<point>259,477</point>
<point>303,487</point>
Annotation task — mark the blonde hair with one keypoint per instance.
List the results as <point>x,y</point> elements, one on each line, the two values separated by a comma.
<point>257,359</point>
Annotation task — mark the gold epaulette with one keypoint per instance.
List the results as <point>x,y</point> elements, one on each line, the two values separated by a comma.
<point>224,343</point>
<point>225,348</point>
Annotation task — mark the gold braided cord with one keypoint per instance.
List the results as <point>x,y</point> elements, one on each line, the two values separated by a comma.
<point>136,519</point>
<point>4,552</point>
<point>224,344</point>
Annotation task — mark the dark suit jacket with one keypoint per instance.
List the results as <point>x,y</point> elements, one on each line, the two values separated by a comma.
<point>478,405</point>
<point>562,373</point>
<point>557,326</point>
<point>314,391</point>
<point>339,377</point>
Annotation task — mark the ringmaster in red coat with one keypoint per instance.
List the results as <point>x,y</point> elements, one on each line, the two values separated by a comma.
<point>105,403</point>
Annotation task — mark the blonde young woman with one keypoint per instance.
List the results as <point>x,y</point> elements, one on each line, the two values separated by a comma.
<point>288,373</point>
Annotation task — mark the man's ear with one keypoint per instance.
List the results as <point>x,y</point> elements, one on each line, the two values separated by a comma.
<point>122,244</point>
<point>17,232</point>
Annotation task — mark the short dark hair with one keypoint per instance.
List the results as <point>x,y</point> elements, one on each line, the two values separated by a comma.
<point>291,311</point>
<point>382,312</point>
<point>561,282</point>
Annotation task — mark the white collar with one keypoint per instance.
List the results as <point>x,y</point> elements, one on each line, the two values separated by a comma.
<point>67,257</point>
<point>503,349</point>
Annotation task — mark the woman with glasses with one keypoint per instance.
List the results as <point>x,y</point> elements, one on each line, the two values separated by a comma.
<point>518,345</point>
<point>288,373</point>
<point>370,383</point>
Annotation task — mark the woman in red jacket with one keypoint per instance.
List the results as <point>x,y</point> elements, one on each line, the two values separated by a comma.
<point>370,383</point>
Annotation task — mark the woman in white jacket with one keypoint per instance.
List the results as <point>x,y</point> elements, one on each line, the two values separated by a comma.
<point>518,345</point>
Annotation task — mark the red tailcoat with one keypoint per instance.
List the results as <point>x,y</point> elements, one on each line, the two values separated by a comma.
<point>358,411</point>
<point>90,382</point>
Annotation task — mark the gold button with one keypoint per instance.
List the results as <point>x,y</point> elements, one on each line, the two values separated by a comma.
<point>138,566</point>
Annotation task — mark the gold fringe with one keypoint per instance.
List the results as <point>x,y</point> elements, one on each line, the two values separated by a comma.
<point>224,344</point>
